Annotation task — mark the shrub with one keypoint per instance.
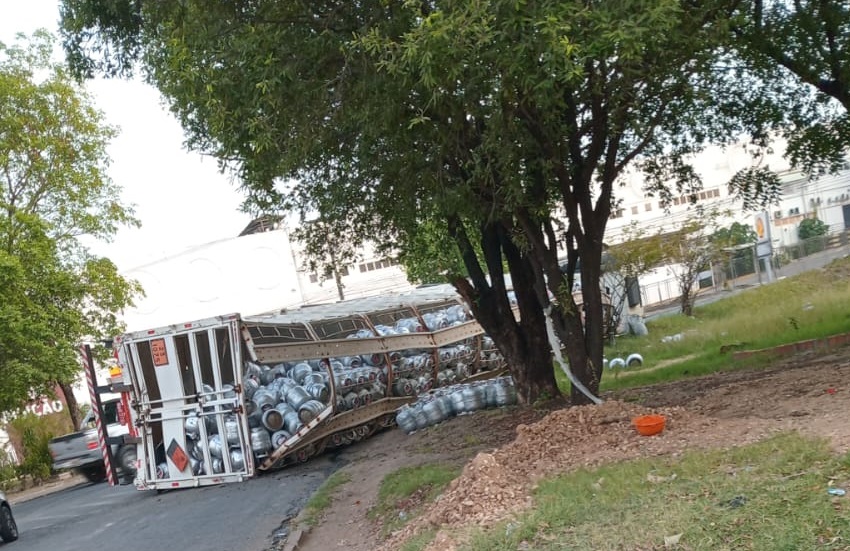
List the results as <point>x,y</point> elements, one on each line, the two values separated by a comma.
<point>35,434</point>
<point>811,227</point>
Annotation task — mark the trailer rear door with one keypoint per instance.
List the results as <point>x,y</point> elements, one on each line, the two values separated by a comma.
<point>189,408</point>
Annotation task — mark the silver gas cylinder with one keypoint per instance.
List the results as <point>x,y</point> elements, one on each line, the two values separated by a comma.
<point>191,426</point>
<point>506,392</point>
<point>365,395</point>
<point>228,392</point>
<point>252,370</point>
<point>444,401</point>
<point>250,386</point>
<point>352,400</point>
<point>267,375</point>
<point>214,445</point>
<point>420,417</point>
<point>490,394</point>
<point>260,442</point>
<point>296,396</point>
<point>315,377</point>
<point>279,438</point>
<point>272,420</point>
<point>196,465</point>
<point>237,459</point>
<point>458,401</point>
<point>433,412</point>
<point>300,371</point>
<point>309,410</point>
<point>284,408</point>
<point>402,387</point>
<point>264,399</point>
<point>292,422</point>
<point>231,430</point>
<point>317,390</point>
<point>405,419</point>
<point>377,391</point>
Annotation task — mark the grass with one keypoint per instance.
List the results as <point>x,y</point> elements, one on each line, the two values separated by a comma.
<point>323,497</point>
<point>403,493</point>
<point>811,305</point>
<point>767,496</point>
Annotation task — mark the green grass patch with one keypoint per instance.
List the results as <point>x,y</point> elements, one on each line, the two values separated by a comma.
<point>814,304</point>
<point>403,492</point>
<point>767,496</point>
<point>323,497</point>
<point>419,541</point>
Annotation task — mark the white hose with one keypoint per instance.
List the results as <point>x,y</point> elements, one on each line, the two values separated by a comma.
<point>556,349</point>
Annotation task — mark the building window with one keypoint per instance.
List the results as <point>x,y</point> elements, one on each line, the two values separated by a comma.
<point>617,214</point>
<point>795,210</point>
<point>314,278</point>
<point>343,271</point>
<point>634,210</point>
<point>362,268</point>
<point>647,207</point>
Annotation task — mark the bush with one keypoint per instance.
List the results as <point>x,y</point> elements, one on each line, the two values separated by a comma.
<point>8,472</point>
<point>35,434</point>
<point>811,227</point>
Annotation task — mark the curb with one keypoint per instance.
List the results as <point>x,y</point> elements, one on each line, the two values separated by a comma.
<point>59,483</point>
<point>295,538</point>
<point>822,344</point>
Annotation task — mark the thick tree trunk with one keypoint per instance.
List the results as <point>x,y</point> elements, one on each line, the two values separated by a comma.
<point>71,401</point>
<point>523,343</point>
<point>528,355</point>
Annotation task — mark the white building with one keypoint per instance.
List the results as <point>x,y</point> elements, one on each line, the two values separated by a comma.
<point>252,273</point>
<point>826,197</point>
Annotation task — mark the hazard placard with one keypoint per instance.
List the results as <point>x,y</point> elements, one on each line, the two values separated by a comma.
<point>159,352</point>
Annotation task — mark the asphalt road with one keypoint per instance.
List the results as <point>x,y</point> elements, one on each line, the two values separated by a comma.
<point>243,516</point>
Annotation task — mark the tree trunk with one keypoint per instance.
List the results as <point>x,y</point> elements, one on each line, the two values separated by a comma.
<point>687,303</point>
<point>523,343</point>
<point>71,401</point>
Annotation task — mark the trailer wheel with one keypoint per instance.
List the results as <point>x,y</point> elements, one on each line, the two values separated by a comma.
<point>8,526</point>
<point>127,459</point>
<point>127,462</point>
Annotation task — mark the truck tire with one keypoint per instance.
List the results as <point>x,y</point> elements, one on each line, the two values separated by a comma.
<point>127,462</point>
<point>8,527</point>
<point>94,473</point>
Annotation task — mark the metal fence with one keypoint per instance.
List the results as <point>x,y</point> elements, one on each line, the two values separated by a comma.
<point>742,264</point>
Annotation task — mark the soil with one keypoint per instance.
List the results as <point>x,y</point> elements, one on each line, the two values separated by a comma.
<point>505,451</point>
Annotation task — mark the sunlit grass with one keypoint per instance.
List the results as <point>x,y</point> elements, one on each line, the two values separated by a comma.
<point>811,305</point>
<point>767,496</point>
<point>323,497</point>
<point>403,493</point>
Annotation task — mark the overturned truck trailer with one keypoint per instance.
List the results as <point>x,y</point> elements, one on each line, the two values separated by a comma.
<point>221,399</point>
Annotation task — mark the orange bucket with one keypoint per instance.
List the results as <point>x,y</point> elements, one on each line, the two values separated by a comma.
<point>648,425</point>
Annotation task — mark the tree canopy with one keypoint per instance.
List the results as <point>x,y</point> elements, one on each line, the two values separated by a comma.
<point>54,294</point>
<point>491,131</point>
<point>809,39</point>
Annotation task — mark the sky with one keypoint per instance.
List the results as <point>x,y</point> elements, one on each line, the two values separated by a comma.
<point>180,197</point>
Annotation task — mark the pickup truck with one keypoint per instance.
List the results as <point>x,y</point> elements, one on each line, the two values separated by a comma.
<point>79,451</point>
